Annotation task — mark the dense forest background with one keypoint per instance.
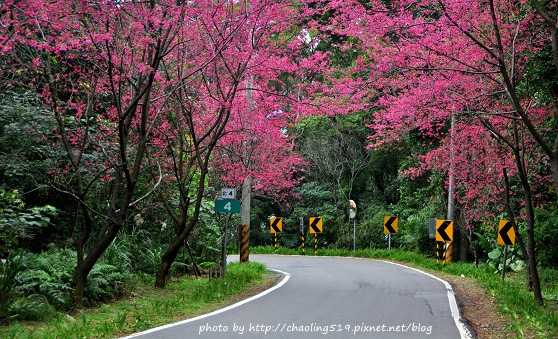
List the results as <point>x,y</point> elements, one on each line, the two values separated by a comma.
<point>115,142</point>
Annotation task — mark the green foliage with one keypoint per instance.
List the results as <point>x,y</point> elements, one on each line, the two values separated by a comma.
<point>540,79</point>
<point>149,307</point>
<point>18,222</point>
<point>50,275</point>
<point>25,154</point>
<point>137,251</point>
<point>32,307</point>
<point>26,292</point>
<point>113,273</point>
<point>259,223</point>
<point>149,260</point>
<point>486,244</point>
<point>205,241</point>
<point>35,285</point>
<point>9,269</point>
<point>119,253</point>
<point>46,283</point>
<point>380,183</point>
<point>546,236</point>
<point>513,259</point>
<point>206,264</point>
<point>104,282</point>
<point>483,243</point>
<point>420,201</point>
<point>413,234</point>
<point>316,201</point>
<point>244,273</point>
<point>238,276</point>
<point>370,231</point>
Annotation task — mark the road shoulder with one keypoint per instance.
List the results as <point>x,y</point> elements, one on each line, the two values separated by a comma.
<point>479,308</point>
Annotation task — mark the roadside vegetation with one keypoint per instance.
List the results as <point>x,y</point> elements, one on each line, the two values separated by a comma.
<point>143,307</point>
<point>121,121</point>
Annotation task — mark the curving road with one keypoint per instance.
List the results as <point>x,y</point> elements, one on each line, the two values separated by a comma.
<point>331,297</point>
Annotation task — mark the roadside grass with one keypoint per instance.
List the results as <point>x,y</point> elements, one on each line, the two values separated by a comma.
<point>183,297</point>
<point>513,298</point>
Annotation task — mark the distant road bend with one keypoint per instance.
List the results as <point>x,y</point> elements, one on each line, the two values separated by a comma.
<point>333,297</point>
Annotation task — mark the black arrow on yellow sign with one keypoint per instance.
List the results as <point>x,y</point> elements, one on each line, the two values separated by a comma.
<point>276,225</point>
<point>442,230</point>
<point>315,225</point>
<point>505,237</point>
<point>390,225</point>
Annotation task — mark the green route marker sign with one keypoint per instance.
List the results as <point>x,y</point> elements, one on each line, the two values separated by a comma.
<point>227,206</point>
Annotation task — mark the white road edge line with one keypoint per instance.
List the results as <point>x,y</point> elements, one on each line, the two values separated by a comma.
<point>286,277</point>
<point>463,330</point>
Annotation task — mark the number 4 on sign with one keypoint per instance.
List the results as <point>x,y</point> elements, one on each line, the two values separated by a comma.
<point>228,193</point>
<point>227,206</point>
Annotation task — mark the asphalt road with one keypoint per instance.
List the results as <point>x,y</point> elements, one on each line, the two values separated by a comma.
<point>331,297</point>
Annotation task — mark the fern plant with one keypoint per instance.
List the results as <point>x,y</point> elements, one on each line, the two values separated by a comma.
<point>9,269</point>
<point>118,253</point>
<point>50,275</point>
<point>32,307</point>
<point>104,282</point>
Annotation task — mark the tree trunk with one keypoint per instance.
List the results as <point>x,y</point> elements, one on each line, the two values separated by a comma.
<point>533,272</point>
<point>184,230</point>
<point>84,267</point>
<point>166,261</point>
<point>518,237</point>
<point>80,280</point>
<point>170,255</point>
<point>463,245</point>
<point>531,258</point>
<point>554,167</point>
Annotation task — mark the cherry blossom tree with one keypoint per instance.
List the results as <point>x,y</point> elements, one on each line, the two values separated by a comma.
<point>257,143</point>
<point>97,67</point>
<point>431,60</point>
<point>126,79</point>
<point>182,88</point>
<point>207,106</point>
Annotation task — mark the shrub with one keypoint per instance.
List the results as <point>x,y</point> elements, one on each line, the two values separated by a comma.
<point>104,282</point>
<point>9,269</point>
<point>546,233</point>
<point>20,295</point>
<point>514,260</point>
<point>32,307</point>
<point>19,222</point>
<point>50,275</point>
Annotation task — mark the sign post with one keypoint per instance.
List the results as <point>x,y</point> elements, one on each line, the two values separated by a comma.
<point>316,228</point>
<point>390,226</point>
<point>228,193</point>
<point>227,206</point>
<point>302,235</point>
<point>352,214</point>
<point>224,250</point>
<point>275,226</point>
<point>506,237</point>
<point>444,233</point>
